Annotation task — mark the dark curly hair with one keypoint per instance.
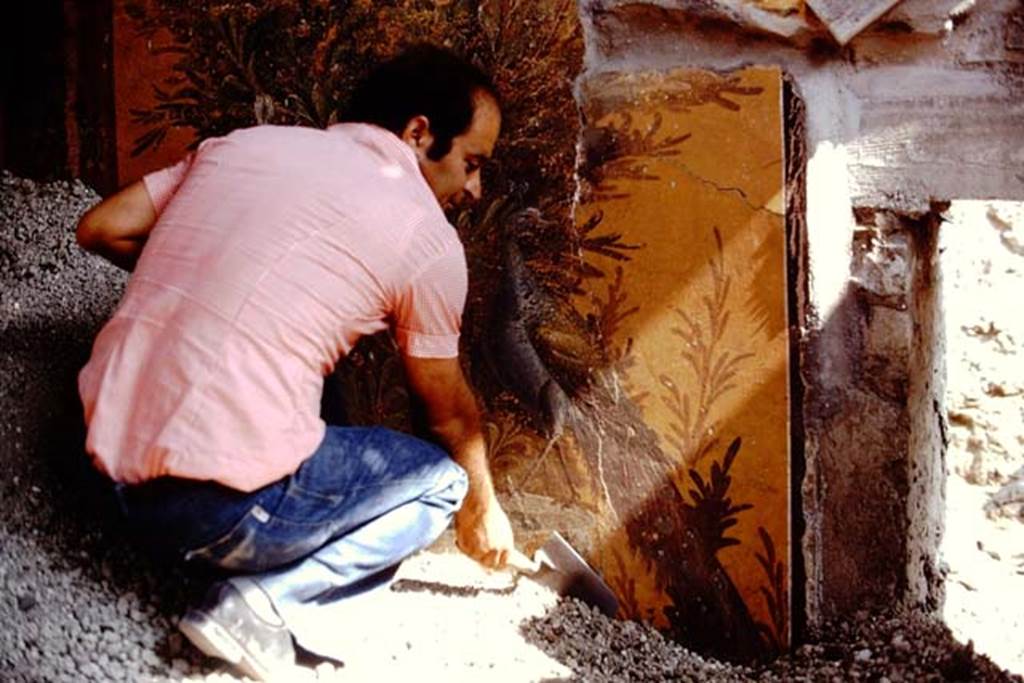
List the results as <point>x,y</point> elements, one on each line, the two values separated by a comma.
<point>425,80</point>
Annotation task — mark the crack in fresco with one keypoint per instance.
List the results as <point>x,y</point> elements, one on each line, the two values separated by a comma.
<point>602,480</point>
<point>723,188</point>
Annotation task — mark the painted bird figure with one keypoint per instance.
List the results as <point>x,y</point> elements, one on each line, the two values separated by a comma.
<point>541,348</point>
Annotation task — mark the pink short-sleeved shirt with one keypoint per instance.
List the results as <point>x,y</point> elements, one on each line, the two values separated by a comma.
<point>275,249</point>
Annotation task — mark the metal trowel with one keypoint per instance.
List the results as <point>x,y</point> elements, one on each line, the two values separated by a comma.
<point>560,568</point>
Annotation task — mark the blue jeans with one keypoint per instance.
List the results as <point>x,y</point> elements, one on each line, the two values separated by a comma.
<point>338,527</point>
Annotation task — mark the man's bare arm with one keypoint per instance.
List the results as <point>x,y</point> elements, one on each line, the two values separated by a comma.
<point>482,528</point>
<point>117,227</point>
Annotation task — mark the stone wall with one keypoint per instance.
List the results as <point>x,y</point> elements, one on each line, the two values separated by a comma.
<point>874,439</point>
<point>982,260</point>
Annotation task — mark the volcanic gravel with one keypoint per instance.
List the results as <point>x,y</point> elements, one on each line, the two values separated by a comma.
<point>874,647</point>
<point>78,603</point>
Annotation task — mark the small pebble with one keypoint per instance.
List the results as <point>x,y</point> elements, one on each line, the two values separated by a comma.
<point>27,601</point>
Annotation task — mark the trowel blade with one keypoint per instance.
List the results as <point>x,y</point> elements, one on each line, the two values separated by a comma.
<point>572,576</point>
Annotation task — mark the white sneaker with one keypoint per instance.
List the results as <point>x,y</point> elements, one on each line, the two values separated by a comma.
<point>226,627</point>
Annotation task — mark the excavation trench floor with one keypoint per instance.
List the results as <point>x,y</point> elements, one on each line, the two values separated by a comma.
<point>79,603</point>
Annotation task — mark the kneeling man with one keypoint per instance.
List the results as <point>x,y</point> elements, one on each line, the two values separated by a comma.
<point>258,262</point>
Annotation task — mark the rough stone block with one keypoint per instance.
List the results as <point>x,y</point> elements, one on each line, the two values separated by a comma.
<point>873,425</point>
<point>863,516</point>
<point>889,333</point>
<point>887,352</point>
<point>881,264</point>
<point>920,127</point>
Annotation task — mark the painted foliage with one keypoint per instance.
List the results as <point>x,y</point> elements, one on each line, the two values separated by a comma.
<point>659,382</point>
<point>625,333</point>
<point>688,166</point>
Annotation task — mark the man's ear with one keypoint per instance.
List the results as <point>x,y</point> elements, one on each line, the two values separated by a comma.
<point>417,135</point>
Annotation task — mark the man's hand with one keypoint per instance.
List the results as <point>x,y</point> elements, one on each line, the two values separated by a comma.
<point>483,532</point>
<point>482,528</point>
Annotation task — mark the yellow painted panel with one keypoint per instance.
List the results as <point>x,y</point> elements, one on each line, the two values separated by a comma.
<point>686,168</point>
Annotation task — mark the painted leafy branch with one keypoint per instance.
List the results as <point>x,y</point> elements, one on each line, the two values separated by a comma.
<point>509,442</point>
<point>296,62</point>
<point>241,63</point>
<point>706,87</point>
<point>774,593</point>
<point>621,151</point>
<point>609,245</point>
<point>714,366</point>
<point>624,586</point>
<point>714,511</point>
<point>611,311</point>
<point>608,312</point>
<point>768,280</point>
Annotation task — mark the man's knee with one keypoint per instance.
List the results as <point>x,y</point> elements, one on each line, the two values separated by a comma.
<point>452,483</point>
<point>461,480</point>
<point>433,463</point>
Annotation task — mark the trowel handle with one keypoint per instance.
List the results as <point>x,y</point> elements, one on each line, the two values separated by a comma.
<point>521,563</point>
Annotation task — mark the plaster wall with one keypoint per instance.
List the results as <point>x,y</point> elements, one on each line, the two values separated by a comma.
<point>923,105</point>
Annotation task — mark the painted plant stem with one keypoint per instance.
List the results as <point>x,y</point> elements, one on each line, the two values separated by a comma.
<point>714,366</point>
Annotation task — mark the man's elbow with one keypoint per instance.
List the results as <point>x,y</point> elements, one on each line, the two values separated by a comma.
<point>97,230</point>
<point>90,231</point>
<point>455,429</point>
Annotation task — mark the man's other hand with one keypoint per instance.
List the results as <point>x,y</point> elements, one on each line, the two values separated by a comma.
<point>482,529</point>
<point>483,532</point>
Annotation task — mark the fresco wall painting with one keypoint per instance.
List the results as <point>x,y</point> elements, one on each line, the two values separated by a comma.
<point>687,167</point>
<point>626,326</point>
